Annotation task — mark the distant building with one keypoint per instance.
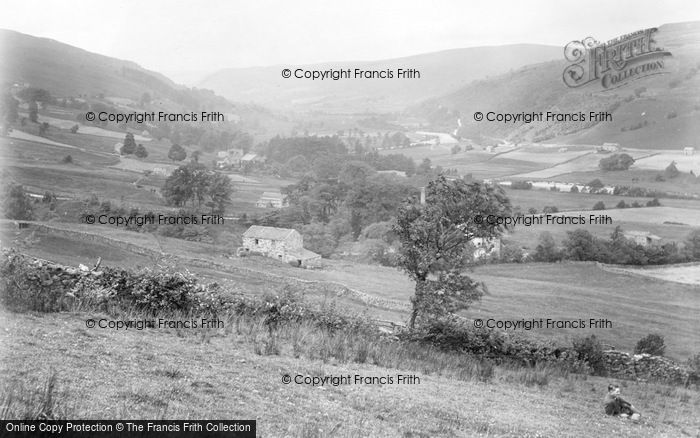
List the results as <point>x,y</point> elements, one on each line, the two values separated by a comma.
<point>398,173</point>
<point>644,238</point>
<point>250,158</point>
<point>272,200</point>
<point>689,151</point>
<point>229,158</point>
<point>283,244</point>
<point>608,147</point>
<point>160,171</point>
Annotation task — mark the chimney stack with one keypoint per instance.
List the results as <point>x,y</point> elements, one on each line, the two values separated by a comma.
<point>422,195</point>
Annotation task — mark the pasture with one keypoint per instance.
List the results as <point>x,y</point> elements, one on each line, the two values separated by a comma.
<point>233,373</point>
<point>635,305</point>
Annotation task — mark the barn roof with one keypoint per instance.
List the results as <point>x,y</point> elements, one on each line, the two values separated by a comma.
<point>272,195</point>
<point>272,233</point>
<point>304,254</point>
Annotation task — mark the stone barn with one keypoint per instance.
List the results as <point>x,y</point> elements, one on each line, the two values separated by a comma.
<point>284,244</point>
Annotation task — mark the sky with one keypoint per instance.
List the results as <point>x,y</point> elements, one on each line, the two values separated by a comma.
<point>188,39</point>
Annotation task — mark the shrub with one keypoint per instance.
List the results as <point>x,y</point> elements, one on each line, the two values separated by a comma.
<point>651,344</point>
<point>590,351</point>
<point>616,162</point>
<point>596,184</point>
<point>599,206</point>
<point>521,185</point>
<point>546,250</point>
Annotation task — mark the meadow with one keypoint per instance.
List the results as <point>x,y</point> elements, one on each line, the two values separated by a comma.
<point>53,365</point>
<point>636,305</point>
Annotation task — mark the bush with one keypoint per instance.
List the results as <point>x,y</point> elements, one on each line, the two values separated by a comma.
<point>616,162</point>
<point>521,185</point>
<point>599,206</point>
<point>590,351</point>
<point>546,250</point>
<point>651,344</point>
<point>596,184</point>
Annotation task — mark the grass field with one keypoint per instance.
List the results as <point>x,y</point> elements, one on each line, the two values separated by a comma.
<point>229,373</point>
<point>636,305</point>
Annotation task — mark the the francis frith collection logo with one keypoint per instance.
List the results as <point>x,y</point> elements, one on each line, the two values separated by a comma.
<point>616,62</point>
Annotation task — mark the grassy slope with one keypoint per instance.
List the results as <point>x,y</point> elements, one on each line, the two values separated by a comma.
<point>104,374</point>
<point>635,305</point>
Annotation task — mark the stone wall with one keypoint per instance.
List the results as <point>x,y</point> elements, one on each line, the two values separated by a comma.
<point>646,368</point>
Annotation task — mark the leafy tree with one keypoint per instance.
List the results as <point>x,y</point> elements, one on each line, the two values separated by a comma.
<point>546,250</point>
<point>177,152</point>
<point>219,192</point>
<point>671,171</point>
<point>9,108</point>
<point>141,151</point>
<point>43,128</point>
<point>193,183</point>
<point>435,243</point>
<point>424,167</point>
<point>616,162</point>
<point>580,245</point>
<point>651,344</point>
<point>654,203</point>
<point>32,94</point>
<point>621,204</point>
<point>692,245</point>
<point>17,205</point>
<point>129,146</point>
<point>318,239</point>
<point>74,129</point>
<point>596,184</point>
<point>33,112</point>
<point>590,350</point>
<point>600,205</point>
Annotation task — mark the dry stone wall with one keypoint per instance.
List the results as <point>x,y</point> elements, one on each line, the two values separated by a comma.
<point>647,368</point>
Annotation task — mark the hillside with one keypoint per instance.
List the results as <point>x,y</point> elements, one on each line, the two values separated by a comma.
<point>228,374</point>
<point>655,112</point>
<point>70,72</point>
<point>441,72</point>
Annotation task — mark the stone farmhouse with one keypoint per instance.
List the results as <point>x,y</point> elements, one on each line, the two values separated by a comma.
<point>644,238</point>
<point>272,200</point>
<point>229,158</point>
<point>282,244</point>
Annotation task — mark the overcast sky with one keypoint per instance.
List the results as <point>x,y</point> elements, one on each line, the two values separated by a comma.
<point>189,39</point>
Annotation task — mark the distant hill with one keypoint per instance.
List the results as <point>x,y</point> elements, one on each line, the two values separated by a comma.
<point>68,71</point>
<point>440,73</point>
<point>658,112</point>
